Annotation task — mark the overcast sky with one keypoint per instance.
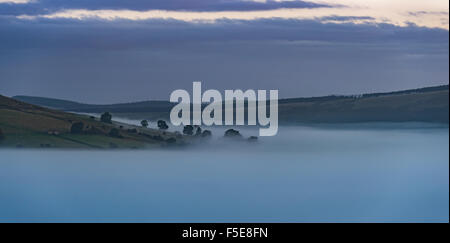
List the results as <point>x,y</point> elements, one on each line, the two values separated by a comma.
<point>107,51</point>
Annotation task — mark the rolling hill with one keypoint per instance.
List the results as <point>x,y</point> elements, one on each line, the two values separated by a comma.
<point>420,105</point>
<point>417,105</point>
<point>28,125</point>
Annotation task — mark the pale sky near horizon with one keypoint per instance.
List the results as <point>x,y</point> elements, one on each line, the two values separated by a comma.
<point>104,51</point>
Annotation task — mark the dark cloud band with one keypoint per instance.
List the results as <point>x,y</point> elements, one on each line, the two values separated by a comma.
<point>69,33</point>
<point>46,6</point>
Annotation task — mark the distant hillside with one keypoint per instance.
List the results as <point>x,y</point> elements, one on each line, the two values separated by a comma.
<point>340,97</point>
<point>420,105</point>
<point>65,105</point>
<point>423,105</point>
<point>27,125</point>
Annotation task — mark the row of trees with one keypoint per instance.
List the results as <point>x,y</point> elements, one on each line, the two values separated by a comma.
<point>190,130</point>
<point>161,124</point>
<point>187,130</point>
<point>196,130</point>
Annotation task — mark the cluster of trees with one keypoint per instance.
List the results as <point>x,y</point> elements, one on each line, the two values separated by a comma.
<point>232,133</point>
<point>235,134</point>
<point>190,130</point>
<point>196,130</point>
<point>161,124</point>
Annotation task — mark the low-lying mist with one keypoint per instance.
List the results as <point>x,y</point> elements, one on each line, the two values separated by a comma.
<point>299,137</point>
<point>328,173</point>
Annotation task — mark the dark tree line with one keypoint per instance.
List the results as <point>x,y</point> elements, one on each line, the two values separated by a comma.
<point>189,130</point>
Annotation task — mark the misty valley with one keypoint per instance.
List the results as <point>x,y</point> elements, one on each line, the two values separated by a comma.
<point>370,158</point>
<point>360,173</point>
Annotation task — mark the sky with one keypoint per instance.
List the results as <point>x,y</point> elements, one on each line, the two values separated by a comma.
<point>109,51</point>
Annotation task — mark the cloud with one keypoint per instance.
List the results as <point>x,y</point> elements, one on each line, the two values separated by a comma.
<point>421,13</point>
<point>192,5</point>
<point>126,34</point>
<point>388,13</point>
<point>400,12</point>
<point>100,62</point>
<point>16,1</point>
<point>132,52</point>
<point>170,5</point>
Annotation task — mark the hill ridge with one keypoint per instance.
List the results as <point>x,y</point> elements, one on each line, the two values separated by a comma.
<point>26,98</point>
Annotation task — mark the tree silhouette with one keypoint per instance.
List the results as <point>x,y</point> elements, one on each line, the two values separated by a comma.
<point>232,133</point>
<point>144,123</point>
<point>188,130</point>
<point>106,117</point>
<point>198,132</point>
<point>162,125</point>
<point>206,133</point>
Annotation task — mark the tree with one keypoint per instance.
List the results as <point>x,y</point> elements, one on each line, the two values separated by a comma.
<point>198,132</point>
<point>77,128</point>
<point>188,130</point>
<point>106,117</point>
<point>144,123</point>
<point>231,133</point>
<point>1,135</point>
<point>206,133</point>
<point>162,125</point>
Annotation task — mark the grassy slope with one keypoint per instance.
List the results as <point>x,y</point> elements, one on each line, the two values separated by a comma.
<point>424,106</point>
<point>27,125</point>
<point>65,105</point>
<point>430,106</point>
